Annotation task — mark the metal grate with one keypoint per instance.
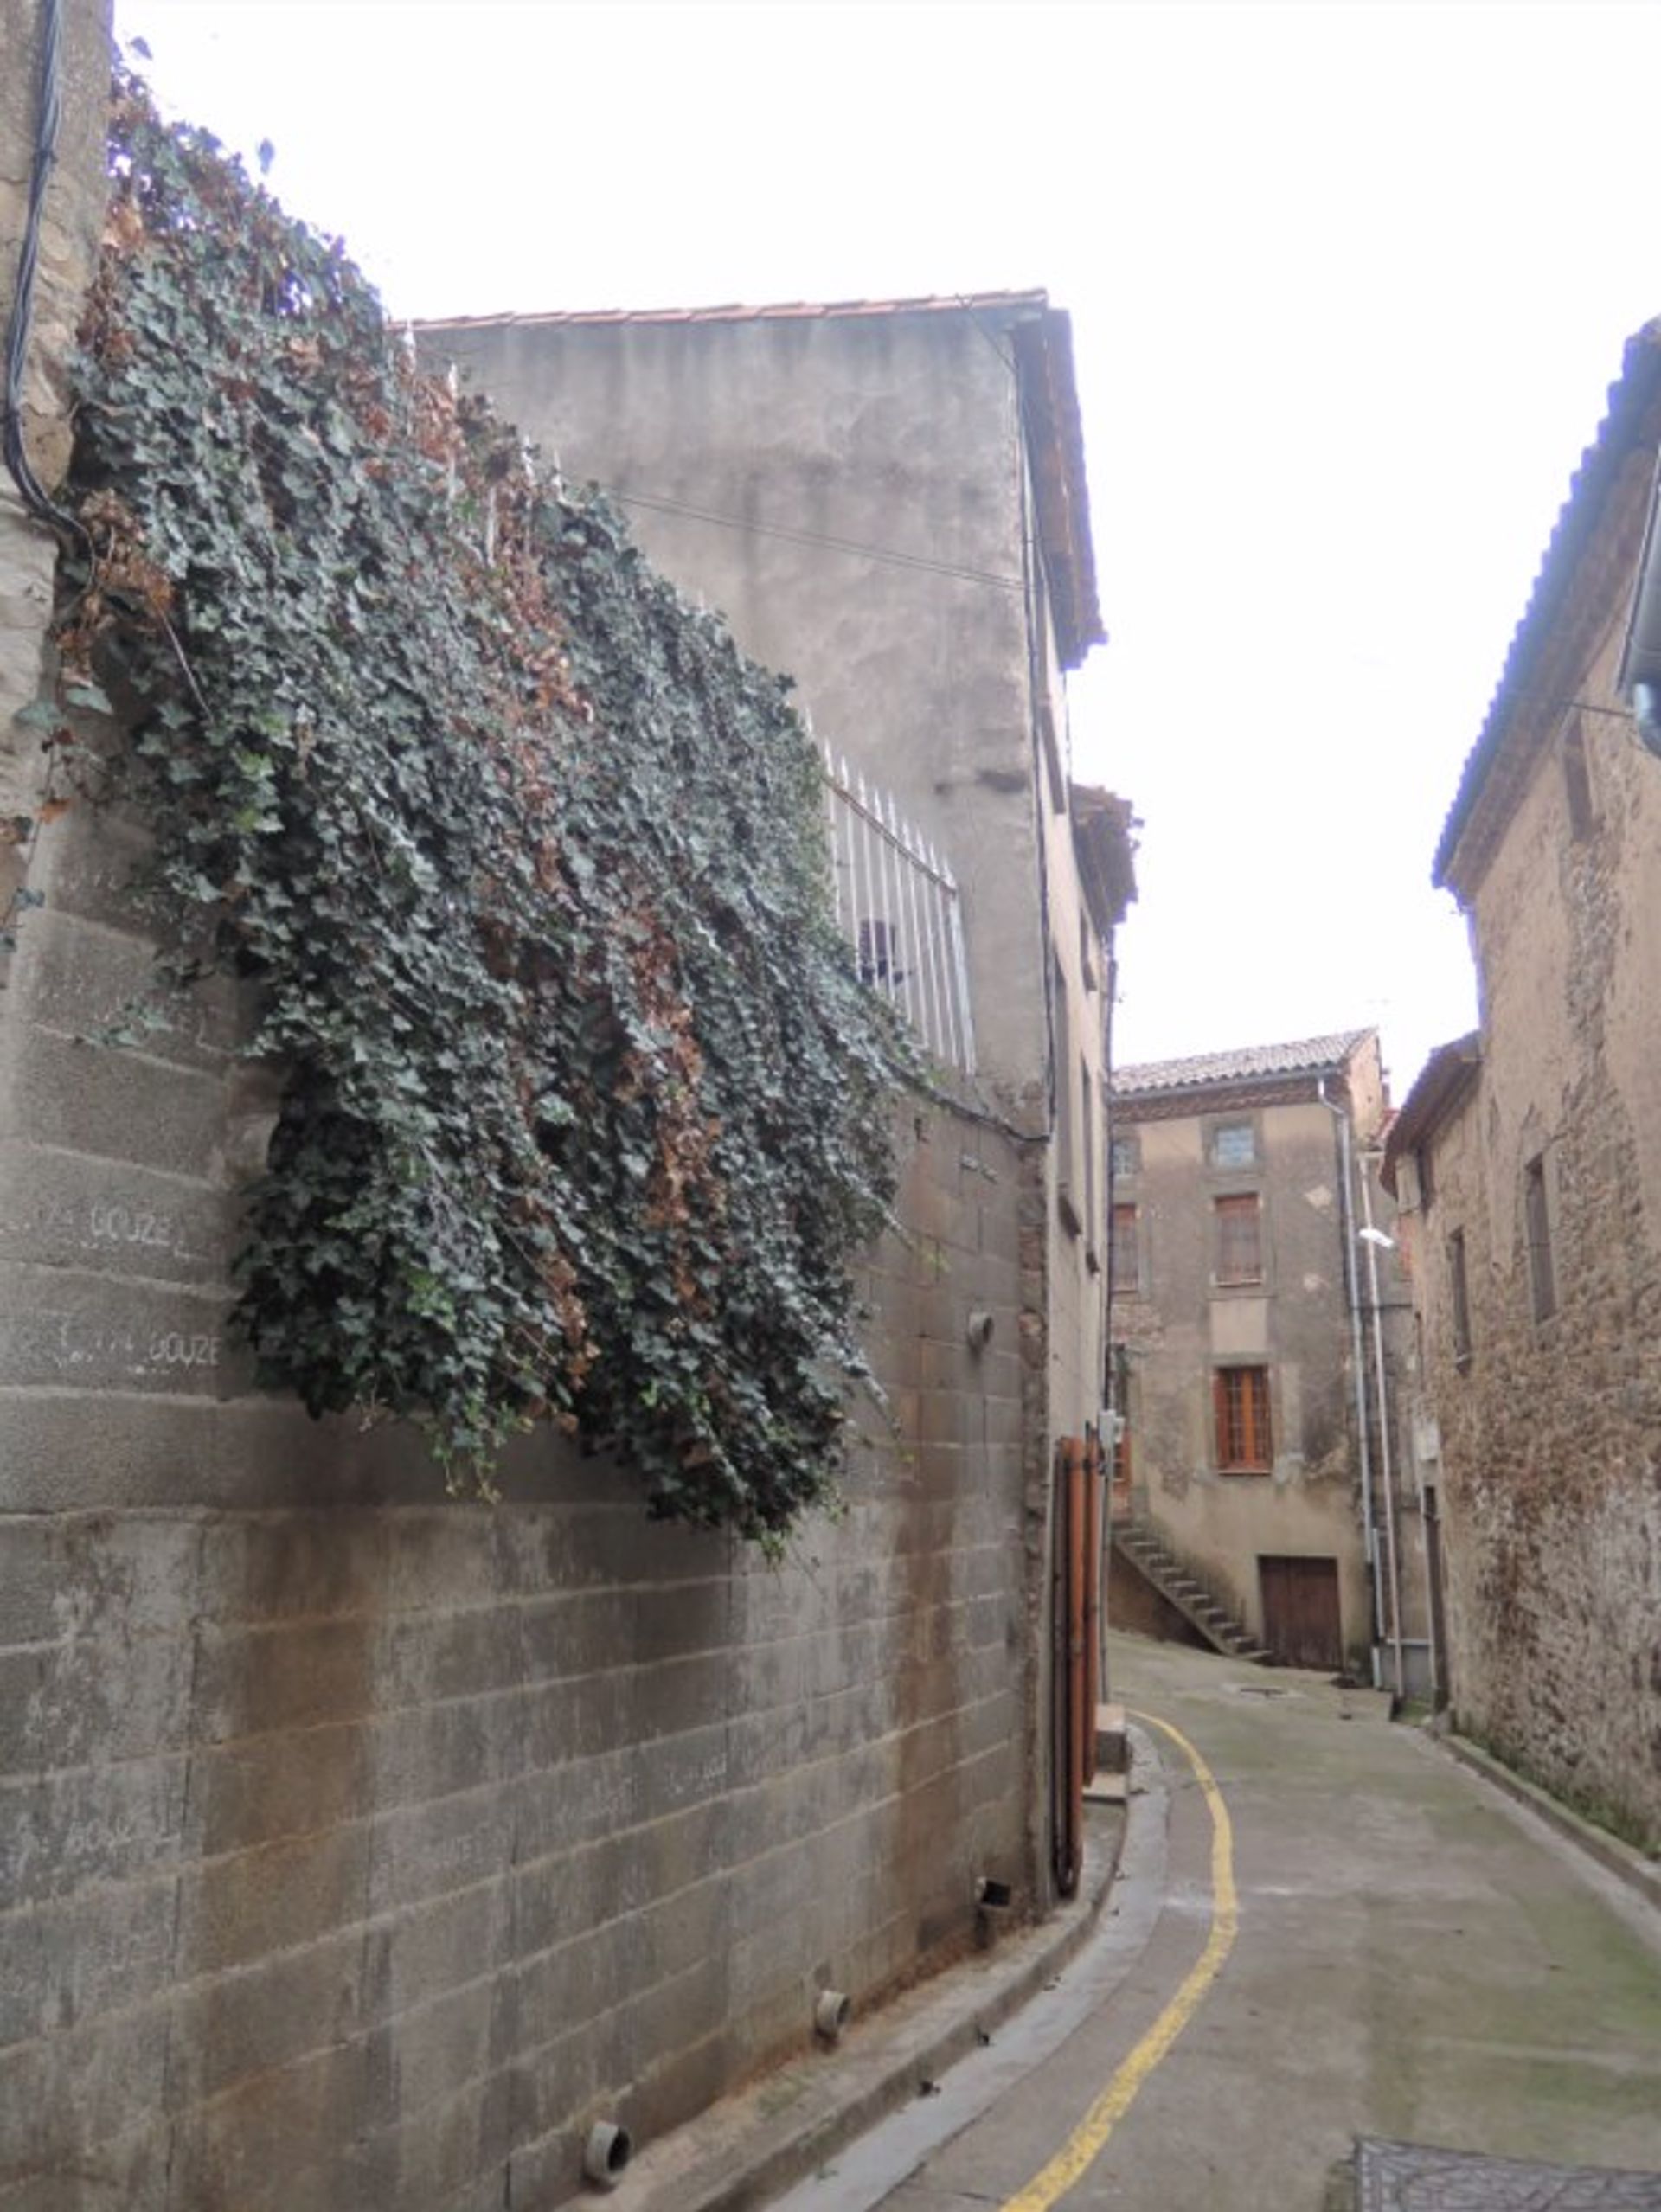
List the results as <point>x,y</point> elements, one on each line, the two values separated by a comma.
<point>898,905</point>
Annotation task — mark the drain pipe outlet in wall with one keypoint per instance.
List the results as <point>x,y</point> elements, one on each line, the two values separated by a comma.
<point>1358,1361</point>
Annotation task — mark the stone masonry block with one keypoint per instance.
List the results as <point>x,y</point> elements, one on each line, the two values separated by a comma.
<point>115,1104</point>
<point>81,978</point>
<point>263,1789</point>
<point>423,1852</point>
<point>946,1417</point>
<point>451,2149</point>
<point>259,1568</point>
<point>560,1897</point>
<point>257,2146</point>
<point>614,1543</point>
<point>443,2041</point>
<point>447,1942</point>
<point>1003,1421</point>
<point>241,1907</point>
<point>66,2097</point>
<point>89,863</point>
<point>88,1331</point>
<point>130,2169</point>
<point>110,1449</point>
<point>94,1699</point>
<point>62,1209</point>
<point>436,1751</point>
<point>999,1233</point>
<point>439,1655</point>
<point>436,1559</point>
<point>81,1575</point>
<point>97,1823</point>
<point>64,1962</point>
<point>229,2027</point>
<point>253,1682</point>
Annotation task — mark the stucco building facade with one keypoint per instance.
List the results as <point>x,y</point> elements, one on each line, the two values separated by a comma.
<point>1258,1323</point>
<point>1527,1161</point>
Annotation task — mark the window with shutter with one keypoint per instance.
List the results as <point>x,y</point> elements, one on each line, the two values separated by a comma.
<point>1240,1398</point>
<point>1240,1242</point>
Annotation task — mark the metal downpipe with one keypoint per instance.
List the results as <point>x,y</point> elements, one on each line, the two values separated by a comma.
<point>1358,1358</point>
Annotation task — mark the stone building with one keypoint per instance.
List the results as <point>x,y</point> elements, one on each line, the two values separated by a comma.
<point>1257,1322</point>
<point>365,1846</point>
<point>1527,1162</point>
<point>887,498</point>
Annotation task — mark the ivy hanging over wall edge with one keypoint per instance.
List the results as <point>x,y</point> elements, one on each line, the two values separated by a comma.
<point>585,1113</point>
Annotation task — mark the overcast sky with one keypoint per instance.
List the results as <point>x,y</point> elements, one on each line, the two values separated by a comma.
<point>1349,285</point>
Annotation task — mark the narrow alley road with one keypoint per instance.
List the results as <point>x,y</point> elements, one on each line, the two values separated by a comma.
<point>1412,1960</point>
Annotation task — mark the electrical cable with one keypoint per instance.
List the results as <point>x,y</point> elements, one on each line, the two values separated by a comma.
<point>34,496</point>
<point>890,555</point>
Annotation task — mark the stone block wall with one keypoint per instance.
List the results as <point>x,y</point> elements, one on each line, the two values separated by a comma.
<point>360,1845</point>
<point>1550,1467</point>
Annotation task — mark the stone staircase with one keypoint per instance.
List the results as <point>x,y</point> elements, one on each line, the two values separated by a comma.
<point>1141,1544</point>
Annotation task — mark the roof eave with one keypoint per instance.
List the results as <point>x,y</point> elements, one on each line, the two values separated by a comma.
<point>1626,428</point>
<point>1049,397</point>
<point>1253,1064</point>
<point>1106,849</point>
<point>1443,1084</point>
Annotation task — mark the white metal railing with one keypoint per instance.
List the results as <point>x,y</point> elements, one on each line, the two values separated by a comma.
<point>898,905</point>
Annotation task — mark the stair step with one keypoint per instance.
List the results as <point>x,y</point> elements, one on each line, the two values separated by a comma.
<point>1112,1745</point>
<point>1165,1571</point>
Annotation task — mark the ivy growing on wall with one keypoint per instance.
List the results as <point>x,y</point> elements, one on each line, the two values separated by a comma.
<point>585,1112</point>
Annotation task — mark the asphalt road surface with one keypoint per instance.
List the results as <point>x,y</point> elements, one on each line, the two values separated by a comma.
<point>1324,1930</point>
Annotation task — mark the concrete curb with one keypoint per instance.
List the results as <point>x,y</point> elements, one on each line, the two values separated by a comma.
<point>1639,1874</point>
<point>751,2147</point>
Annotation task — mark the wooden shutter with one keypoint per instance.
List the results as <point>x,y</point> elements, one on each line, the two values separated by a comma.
<point>1239,1241</point>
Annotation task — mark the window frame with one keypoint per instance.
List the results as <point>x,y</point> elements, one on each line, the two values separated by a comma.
<point>1459,1298</point>
<point>1537,1239</point>
<point>1237,1206</point>
<point>1069,1177</point>
<point>1094,1221</point>
<point>1217,1130</point>
<point>1243,1415</point>
<point>1125,1279</point>
<point>1579,799</point>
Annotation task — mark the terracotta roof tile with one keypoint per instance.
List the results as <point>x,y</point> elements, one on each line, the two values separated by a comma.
<point>1306,1056</point>
<point>776,310</point>
<point>1444,1081</point>
<point>1626,427</point>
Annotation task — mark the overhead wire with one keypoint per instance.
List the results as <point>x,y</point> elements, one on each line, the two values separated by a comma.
<point>890,555</point>
<point>48,114</point>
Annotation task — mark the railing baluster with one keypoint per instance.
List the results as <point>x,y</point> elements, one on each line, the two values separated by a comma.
<point>900,956</point>
<point>960,961</point>
<point>853,863</point>
<point>868,892</point>
<point>938,967</point>
<point>923,1010</point>
<point>831,834</point>
<point>899,910</point>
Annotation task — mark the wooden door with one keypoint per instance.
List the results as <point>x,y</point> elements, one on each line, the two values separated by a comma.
<point>1302,1623</point>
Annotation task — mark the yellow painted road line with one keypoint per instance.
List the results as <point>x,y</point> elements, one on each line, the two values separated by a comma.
<point>1086,2143</point>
